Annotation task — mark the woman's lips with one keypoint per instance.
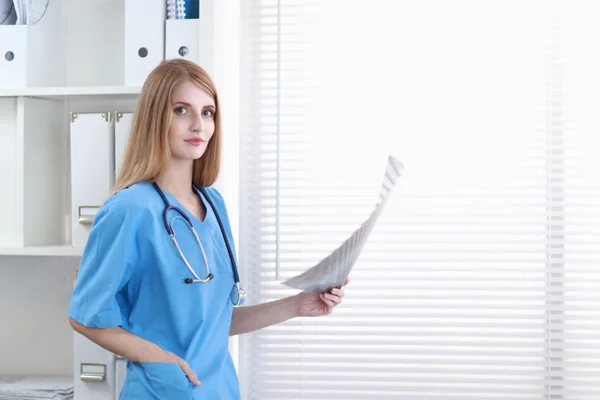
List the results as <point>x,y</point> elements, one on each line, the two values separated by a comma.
<point>195,142</point>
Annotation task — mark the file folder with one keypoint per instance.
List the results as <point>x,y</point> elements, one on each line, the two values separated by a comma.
<point>122,129</point>
<point>144,38</point>
<point>13,56</point>
<point>182,39</point>
<point>34,55</point>
<point>92,169</point>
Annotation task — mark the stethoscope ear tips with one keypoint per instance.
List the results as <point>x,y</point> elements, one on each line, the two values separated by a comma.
<point>188,280</point>
<point>210,276</point>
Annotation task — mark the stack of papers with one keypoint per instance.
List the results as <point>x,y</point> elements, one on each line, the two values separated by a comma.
<point>333,270</point>
<point>36,388</point>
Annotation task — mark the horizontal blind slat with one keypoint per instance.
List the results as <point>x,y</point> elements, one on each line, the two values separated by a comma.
<point>486,258</point>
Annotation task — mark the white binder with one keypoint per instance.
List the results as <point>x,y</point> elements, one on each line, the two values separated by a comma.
<point>122,130</point>
<point>182,39</point>
<point>144,39</point>
<point>13,56</point>
<point>34,55</point>
<point>92,169</point>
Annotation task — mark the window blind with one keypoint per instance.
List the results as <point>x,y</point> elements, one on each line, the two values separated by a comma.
<point>481,279</point>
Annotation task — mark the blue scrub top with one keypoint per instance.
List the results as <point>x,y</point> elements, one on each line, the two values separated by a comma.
<point>132,276</point>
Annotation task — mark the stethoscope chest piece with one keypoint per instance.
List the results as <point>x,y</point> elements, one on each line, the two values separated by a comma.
<point>209,277</point>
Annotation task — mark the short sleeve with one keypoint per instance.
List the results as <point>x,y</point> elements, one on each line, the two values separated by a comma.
<point>108,260</point>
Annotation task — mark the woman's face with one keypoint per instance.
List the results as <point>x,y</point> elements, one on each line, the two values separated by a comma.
<point>192,121</point>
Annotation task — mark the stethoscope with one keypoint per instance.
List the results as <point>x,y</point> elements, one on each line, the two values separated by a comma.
<point>238,294</point>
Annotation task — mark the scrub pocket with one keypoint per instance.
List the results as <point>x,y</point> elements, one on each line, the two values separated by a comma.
<point>166,380</point>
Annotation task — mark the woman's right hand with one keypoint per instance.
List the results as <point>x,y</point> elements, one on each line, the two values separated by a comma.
<point>165,356</point>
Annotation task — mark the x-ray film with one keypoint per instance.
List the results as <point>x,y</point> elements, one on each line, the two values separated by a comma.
<point>333,270</point>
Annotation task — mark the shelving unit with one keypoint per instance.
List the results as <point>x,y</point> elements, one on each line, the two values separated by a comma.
<point>81,57</point>
<point>76,62</point>
<point>71,91</point>
<point>43,251</point>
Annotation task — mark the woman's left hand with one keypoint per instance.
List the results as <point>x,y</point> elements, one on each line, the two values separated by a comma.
<point>310,304</point>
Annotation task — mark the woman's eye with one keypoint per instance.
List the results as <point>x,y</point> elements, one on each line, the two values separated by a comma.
<point>207,113</point>
<point>180,110</point>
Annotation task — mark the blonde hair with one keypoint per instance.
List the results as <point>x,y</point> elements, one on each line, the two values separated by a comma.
<point>148,152</point>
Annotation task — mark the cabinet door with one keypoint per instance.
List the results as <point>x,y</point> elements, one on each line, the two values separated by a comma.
<point>94,369</point>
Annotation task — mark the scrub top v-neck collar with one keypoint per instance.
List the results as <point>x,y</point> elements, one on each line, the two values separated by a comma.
<point>196,222</point>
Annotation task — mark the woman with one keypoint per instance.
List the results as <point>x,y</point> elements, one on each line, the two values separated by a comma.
<point>134,295</point>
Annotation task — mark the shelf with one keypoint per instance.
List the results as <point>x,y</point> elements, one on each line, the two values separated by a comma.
<point>58,250</point>
<point>70,91</point>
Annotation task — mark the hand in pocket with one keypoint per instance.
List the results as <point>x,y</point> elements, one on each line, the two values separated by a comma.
<point>166,357</point>
<point>164,381</point>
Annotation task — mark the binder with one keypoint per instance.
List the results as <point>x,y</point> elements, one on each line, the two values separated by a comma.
<point>182,36</point>
<point>13,56</point>
<point>92,169</point>
<point>34,55</point>
<point>122,130</point>
<point>183,9</point>
<point>144,39</point>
